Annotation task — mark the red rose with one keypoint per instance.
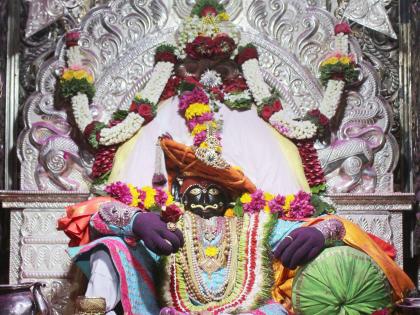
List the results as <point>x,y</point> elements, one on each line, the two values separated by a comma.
<point>89,128</point>
<point>170,88</point>
<point>323,120</point>
<point>235,85</point>
<point>246,54</point>
<point>337,76</point>
<point>202,46</point>
<point>342,28</point>
<point>193,80</point>
<point>314,112</point>
<point>172,213</point>
<point>133,107</point>
<point>223,45</point>
<point>218,94</point>
<point>381,312</point>
<point>208,10</point>
<point>165,56</point>
<point>72,38</point>
<point>266,112</point>
<point>277,106</point>
<point>146,111</point>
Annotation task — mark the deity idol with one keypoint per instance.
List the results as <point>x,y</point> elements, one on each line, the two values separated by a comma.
<point>209,148</point>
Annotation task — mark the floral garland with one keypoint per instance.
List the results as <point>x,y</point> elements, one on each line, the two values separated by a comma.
<point>147,199</point>
<point>338,66</point>
<point>250,286</point>
<point>294,207</point>
<point>200,34</point>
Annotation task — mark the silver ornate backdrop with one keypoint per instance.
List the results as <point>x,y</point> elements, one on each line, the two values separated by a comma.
<point>118,40</point>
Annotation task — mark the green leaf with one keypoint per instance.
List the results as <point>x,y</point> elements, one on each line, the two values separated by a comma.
<point>119,114</point>
<point>165,48</point>
<point>238,209</point>
<point>72,87</point>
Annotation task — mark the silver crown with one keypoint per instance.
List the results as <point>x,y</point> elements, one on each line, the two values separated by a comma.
<point>210,155</point>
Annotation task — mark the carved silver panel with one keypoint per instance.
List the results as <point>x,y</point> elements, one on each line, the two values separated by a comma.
<point>293,37</point>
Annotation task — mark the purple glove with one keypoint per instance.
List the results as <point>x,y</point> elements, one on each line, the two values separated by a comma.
<point>154,232</point>
<point>299,247</point>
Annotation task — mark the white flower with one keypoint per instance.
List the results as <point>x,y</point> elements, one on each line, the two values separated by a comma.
<point>331,98</point>
<point>291,128</point>
<point>160,76</point>
<point>81,111</point>
<point>123,131</point>
<point>341,43</point>
<point>233,97</point>
<point>211,78</point>
<point>255,81</point>
<point>74,57</point>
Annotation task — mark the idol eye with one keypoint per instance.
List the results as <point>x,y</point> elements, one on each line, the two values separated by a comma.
<point>214,191</point>
<point>195,191</point>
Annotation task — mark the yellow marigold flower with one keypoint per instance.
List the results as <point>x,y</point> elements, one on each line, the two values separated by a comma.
<point>229,213</point>
<point>345,59</point>
<point>134,195</point>
<point>224,16</point>
<point>67,75</point>
<point>246,198</point>
<point>89,78</point>
<point>267,208</point>
<point>268,196</point>
<point>149,201</point>
<point>198,128</point>
<point>211,251</point>
<point>288,200</point>
<point>219,149</point>
<point>204,145</point>
<point>80,74</point>
<point>170,199</point>
<point>331,61</point>
<point>197,109</point>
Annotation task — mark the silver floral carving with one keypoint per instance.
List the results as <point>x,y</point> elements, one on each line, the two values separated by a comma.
<point>371,14</point>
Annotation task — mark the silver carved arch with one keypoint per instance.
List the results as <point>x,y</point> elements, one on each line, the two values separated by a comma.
<point>293,37</point>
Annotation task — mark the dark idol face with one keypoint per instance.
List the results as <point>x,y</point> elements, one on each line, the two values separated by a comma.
<point>205,201</point>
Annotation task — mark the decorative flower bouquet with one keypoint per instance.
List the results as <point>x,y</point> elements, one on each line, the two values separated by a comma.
<point>290,207</point>
<point>338,67</point>
<point>143,107</point>
<point>146,198</point>
<point>75,80</point>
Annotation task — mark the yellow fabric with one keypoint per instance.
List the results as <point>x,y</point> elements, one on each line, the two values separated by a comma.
<point>356,238</point>
<point>121,157</point>
<point>290,150</point>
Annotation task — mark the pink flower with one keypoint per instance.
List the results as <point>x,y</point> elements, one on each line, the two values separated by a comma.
<point>301,206</point>
<point>257,202</point>
<point>190,97</point>
<point>119,191</point>
<point>160,197</point>
<point>342,28</point>
<point>200,137</point>
<point>276,204</point>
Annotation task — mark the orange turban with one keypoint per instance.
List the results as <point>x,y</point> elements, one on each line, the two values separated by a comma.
<point>181,160</point>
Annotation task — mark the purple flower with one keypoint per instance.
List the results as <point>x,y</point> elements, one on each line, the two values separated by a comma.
<point>195,96</point>
<point>200,137</point>
<point>119,191</point>
<point>257,202</point>
<point>276,204</point>
<point>301,206</point>
<point>160,197</point>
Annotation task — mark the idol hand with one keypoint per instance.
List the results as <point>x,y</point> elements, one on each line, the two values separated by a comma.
<point>299,247</point>
<point>154,232</point>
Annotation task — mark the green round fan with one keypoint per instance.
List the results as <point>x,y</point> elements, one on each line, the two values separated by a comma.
<point>341,280</point>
